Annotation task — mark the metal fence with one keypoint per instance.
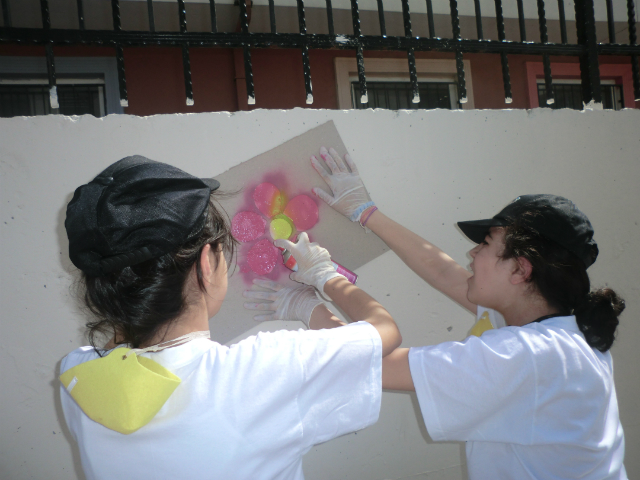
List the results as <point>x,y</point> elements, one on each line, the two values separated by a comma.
<point>587,48</point>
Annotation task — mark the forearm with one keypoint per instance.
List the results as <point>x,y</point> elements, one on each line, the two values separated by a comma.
<point>429,262</point>
<point>322,318</point>
<point>396,374</point>
<point>358,305</point>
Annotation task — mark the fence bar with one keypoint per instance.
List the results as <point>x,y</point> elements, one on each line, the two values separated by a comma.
<point>115,12</point>
<point>186,62</point>
<point>610,22</point>
<point>6,13</point>
<point>383,28</point>
<point>214,17</point>
<point>272,15</point>
<point>432,27</point>
<point>48,48</point>
<point>523,28</point>
<point>478,19</point>
<point>332,31</point>
<point>306,67</point>
<point>248,75</point>
<point>357,32</point>
<point>413,73</point>
<point>506,78</point>
<point>546,61</point>
<point>455,26</point>
<point>563,21</point>
<point>182,15</point>
<point>589,67</point>
<point>152,20</point>
<point>186,66</point>
<point>46,19</point>
<point>635,71</point>
<point>80,15</point>
<point>122,79</point>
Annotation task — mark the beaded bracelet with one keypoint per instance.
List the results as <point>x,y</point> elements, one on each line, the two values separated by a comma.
<point>369,213</point>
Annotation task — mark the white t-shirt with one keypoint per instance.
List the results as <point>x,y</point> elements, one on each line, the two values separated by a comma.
<point>249,411</point>
<point>532,402</point>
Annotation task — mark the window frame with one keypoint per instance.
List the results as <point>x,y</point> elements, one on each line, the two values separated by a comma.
<point>29,68</point>
<point>394,69</point>
<point>620,74</point>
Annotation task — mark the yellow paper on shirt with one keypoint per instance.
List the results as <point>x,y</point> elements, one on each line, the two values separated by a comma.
<point>122,394</point>
<point>482,325</point>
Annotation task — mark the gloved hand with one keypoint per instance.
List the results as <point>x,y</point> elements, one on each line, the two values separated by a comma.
<point>314,262</point>
<point>285,303</point>
<point>350,196</point>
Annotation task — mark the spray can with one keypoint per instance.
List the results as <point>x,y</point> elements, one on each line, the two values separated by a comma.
<point>292,265</point>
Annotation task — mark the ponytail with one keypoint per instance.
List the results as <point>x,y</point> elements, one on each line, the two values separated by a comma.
<point>597,317</point>
<point>561,278</point>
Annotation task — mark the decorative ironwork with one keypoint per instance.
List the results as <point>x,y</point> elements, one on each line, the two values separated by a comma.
<point>587,49</point>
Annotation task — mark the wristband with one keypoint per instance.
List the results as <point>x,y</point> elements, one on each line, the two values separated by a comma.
<point>369,213</point>
<point>358,211</point>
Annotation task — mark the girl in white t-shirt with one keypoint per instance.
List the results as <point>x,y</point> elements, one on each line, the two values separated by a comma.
<point>162,400</point>
<point>532,391</point>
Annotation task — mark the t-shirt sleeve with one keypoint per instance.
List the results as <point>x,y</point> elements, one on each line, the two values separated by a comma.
<point>342,381</point>
<point>481,389</point>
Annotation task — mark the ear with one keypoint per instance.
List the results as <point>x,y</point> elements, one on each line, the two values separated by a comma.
<point>205,262</point>
<point>522,271</point>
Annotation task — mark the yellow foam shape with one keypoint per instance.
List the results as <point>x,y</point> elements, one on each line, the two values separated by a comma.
<point>482,325</point>
<point>281,227</point>
<point>123,395</point>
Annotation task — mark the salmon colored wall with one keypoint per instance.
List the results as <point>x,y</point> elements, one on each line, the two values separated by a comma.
<point>155,80</point>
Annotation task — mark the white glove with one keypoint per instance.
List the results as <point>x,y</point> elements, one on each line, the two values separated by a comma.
<point>350,197</point>
<point>285,303</point>
<point>314,262</point>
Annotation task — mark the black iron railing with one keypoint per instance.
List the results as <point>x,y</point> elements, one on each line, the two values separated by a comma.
<point>587,49</point>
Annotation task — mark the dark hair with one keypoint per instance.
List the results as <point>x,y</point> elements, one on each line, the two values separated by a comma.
<point>134,303</point>
<point>561,278</point>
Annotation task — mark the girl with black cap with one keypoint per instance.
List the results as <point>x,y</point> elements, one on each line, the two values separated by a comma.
<point>162,400</point>
<point>531,391</point>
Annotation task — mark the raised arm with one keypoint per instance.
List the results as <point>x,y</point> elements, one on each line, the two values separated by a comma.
<point>315,268</point>
<point>350,198</point>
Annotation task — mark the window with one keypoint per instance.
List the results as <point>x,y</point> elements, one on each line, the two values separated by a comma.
<point>568,94</point>
<point>30,96</point>
<point>388,84</point>
<point>85,85</point>
<point>615,80</point>
<point>398,95</point>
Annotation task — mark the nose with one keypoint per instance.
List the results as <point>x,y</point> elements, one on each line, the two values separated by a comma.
<point>474,251</point>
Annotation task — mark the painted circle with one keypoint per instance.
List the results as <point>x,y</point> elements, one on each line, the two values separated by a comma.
<point>247,226</point>
<point>262,257</point>
<point>281,227</point>
<point>268,199</point>
<point>303,211</point>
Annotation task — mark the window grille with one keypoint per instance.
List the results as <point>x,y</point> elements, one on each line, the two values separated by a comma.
<point>398,95</point>
<point>30,96</point>
<point>587,48</point>
<point>569,95</point>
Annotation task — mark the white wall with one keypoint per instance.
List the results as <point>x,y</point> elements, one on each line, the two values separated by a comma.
<point>425,169</point>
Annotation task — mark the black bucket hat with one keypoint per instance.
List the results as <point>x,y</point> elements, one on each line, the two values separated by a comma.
<point>555,218</point>
<point>135,210</point>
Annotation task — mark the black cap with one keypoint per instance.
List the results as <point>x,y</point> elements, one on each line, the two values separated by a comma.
<point>555,218</point>
<point>135,210</point>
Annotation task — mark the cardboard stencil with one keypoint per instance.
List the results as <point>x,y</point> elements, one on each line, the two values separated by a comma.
<point>288,167</point>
